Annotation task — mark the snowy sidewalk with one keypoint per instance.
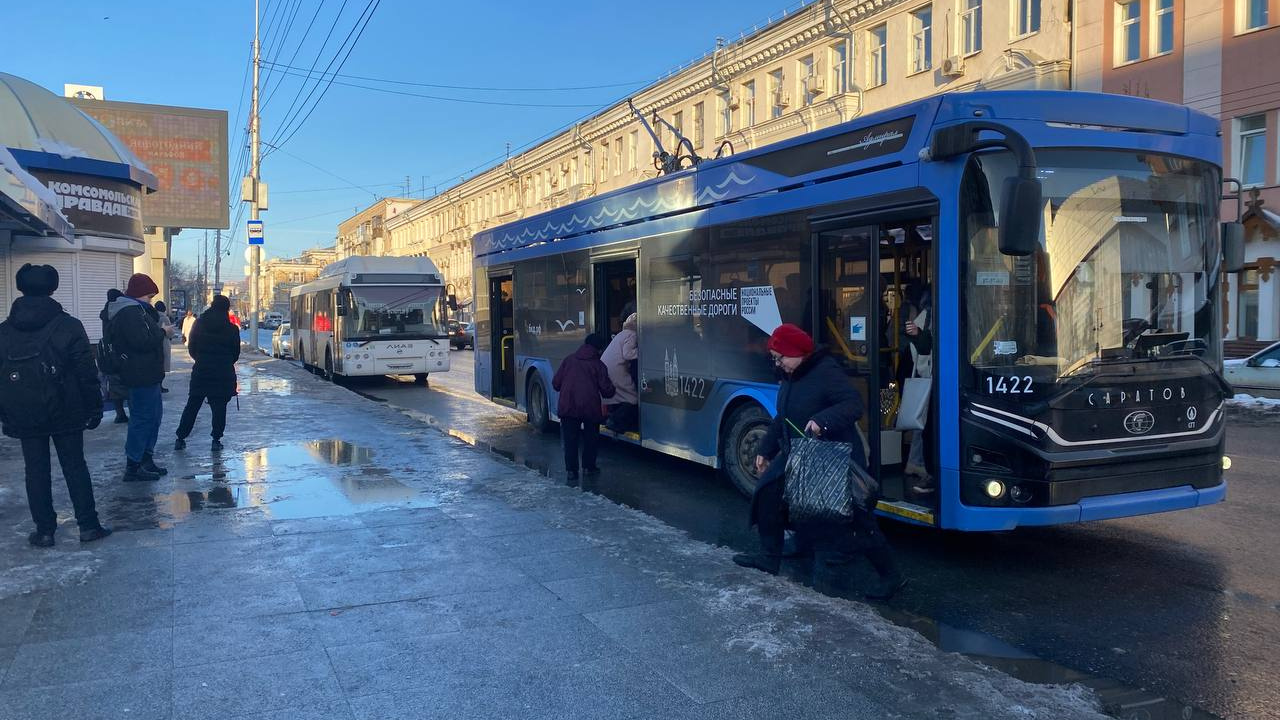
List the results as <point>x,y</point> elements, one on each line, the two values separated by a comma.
<point>342,560</point>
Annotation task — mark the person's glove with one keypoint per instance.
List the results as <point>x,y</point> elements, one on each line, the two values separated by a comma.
<point>93,422</point>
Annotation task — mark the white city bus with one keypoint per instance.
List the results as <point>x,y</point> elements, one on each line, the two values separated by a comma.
<point>372,316</point>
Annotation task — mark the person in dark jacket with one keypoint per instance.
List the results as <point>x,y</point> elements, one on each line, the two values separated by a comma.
<point>815,398</point>
<point>116,392</point>
<point>583,383</point>
<point>134,328</point>
<point>74,406</point>
<point>215,347</point>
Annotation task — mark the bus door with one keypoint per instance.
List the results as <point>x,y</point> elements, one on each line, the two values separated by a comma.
<point>614,291</point>
<point>870,280</point>
<point>503,338</point>
<point>613,299</point>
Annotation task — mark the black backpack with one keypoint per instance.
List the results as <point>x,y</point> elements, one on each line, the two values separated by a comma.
<point>110,359</point>
<point>31,379</point>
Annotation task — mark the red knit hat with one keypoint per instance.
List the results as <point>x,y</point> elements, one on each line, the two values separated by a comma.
<point>141,285</point>
<point>790,341</point>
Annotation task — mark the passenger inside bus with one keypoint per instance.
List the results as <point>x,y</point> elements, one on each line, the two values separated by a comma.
<point>620,358</point>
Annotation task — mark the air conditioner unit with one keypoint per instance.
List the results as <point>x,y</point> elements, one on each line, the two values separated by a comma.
<point>817,84</point>
<point>953,66</point>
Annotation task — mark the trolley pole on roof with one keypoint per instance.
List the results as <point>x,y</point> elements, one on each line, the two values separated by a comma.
<point>255,251</point>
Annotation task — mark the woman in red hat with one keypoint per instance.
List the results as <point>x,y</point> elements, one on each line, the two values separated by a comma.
<point>815,396</point>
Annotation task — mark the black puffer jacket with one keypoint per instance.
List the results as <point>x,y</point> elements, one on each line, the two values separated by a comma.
<point>80,394</point>
<point>818,390</point>
<point>134,329</point>
<point>215,347</point>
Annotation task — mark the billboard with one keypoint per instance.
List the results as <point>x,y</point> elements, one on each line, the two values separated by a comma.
<point>186,149</point>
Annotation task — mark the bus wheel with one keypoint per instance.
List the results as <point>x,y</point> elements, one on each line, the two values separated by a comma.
<point>740,444</point>
<point>302,359</point>
<point>421,378</point>
<point>539,415</point>
<point>328,367</point>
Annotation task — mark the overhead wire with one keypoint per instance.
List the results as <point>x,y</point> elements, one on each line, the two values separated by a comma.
<point>279,44</point>
<point>305,34</point>
<point>476,87</point>
<point>295,109</point>
<point>501,103</point>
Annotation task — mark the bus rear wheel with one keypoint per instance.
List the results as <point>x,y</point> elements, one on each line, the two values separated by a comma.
<point>740,444</point>
<point>421,379</point>
<point>328,367</point>
<point>539,414</point>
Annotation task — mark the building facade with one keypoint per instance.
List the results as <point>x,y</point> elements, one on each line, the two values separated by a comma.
<point>1219,57</point>
<point>278,276</point>
<point>365,232</point>
<point>820,66</point>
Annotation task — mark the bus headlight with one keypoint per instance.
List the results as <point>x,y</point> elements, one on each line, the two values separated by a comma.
<point>1226,463</point>
<point>1019,494</point>
<point>994,489</point>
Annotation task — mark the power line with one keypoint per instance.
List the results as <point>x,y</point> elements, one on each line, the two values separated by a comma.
<point>477,88</point>
<point>332,189</point>
<point>281,42</point>
<point>288,114</point>
<point>296,50</point>
<point>309,217</point>
<point>346,42</point>
<point>458,100</point>
<point>330,173</point>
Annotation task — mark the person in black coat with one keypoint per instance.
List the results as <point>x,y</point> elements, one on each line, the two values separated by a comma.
<point>70,403</point>
<point>215,347</point>
<point>816,398</point>
<point>116,392</point>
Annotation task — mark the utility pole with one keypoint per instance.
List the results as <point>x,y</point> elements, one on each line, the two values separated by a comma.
<point>217,262</point>
<point>254,172</point>
<point>204,270</point>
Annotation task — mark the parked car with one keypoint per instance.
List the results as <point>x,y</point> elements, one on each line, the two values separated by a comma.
<point>1257,375</point>
<point>282,341</point>
<point>272,320</point>
<point>461,335</point>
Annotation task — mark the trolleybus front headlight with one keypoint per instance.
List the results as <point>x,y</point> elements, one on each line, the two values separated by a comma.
<point>1226,463</point>
<point>1019,494</point>
<point>994,489</point>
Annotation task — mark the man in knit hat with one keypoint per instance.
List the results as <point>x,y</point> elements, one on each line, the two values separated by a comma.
<point>134,332</point>
<point>49,391</point>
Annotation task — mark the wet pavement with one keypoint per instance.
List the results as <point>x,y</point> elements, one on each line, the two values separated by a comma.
<point>341,559</point>
<point>1166,616</point>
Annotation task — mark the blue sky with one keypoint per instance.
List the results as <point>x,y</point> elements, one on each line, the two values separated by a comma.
<point>195,53</point>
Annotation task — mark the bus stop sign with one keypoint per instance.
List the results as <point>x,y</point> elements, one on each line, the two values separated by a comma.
<point>255,232</point>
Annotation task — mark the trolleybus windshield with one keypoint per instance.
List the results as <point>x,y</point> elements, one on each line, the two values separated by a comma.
<point>1126,267</point>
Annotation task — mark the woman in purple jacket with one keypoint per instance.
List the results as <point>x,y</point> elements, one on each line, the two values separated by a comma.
<point>583,383</point>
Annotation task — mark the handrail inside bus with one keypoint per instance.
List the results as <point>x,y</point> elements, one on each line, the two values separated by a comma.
<point>502,344</point>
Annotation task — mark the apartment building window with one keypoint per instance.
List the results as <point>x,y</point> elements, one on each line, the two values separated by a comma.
<point>1163,27</point>
<point>1128,31</point>
<point>777,96</point>
<point>970,26</point>
<point>725,106</point>
<point>633,143</point>
<point>1251,15</point>
<point>1026,18</point>
<point>839,69</point>
<point>677,122</point>
<point>878,71</point>
<point>922,39</point>
<point>617,156</point>
<point>807,83</point>
<point>699,124</point>
<point>749,103</point>
<point>1252,144</point>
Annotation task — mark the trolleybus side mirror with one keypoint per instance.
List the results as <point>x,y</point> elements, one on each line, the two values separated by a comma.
<point>1020,212</point>
<point>342,303</point>
<point>453,303</point>
<point>1232,247</point>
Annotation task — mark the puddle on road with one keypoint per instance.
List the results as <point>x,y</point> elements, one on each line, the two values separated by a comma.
<point>268,386</point>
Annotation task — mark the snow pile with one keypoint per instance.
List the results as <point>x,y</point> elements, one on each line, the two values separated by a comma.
<point>71,568</point>
<point>1260,403</point>
<point>1247,408</point>
<point>66,151</point>
<point>43,192</point>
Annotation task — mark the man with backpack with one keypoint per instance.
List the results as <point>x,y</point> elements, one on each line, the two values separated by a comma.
<point>49,391</point>
<point>133,349</point>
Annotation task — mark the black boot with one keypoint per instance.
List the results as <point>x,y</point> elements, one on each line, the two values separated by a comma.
<point>216,445</point>
<point>121,418</point>
<point>95,533</point>
<point>149,464</point>
<point>134,472</point>
<point>179,444</point>
<point>891,578</point>
<point>759,561</point>
<point>41,539</point>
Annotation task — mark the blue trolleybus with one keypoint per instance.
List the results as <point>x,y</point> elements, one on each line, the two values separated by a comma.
<point>1067,245</point>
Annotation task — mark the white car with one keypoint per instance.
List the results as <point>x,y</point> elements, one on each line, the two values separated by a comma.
<point>1257,375</point>
<point>282,342</point>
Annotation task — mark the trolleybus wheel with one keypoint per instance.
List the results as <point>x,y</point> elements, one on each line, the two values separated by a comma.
<point>302,359</point>
<point>422,379</point>
<point>328,366</point>
<point>539,415</point>
<point>740,444</point>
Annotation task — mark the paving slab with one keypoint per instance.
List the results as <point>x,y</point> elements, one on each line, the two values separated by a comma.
<point>292,681</point>
<point>384,622</point>
<point>144,696</point>
<point>204,643</point>
<point>84,659</point>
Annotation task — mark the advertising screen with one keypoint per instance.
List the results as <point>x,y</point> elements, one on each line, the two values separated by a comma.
<point>186,149</point>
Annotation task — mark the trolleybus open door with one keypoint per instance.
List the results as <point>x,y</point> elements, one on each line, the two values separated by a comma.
<point>503,338</point>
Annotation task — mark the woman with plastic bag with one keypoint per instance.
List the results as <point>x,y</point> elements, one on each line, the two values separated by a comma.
<point>816,399</point>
